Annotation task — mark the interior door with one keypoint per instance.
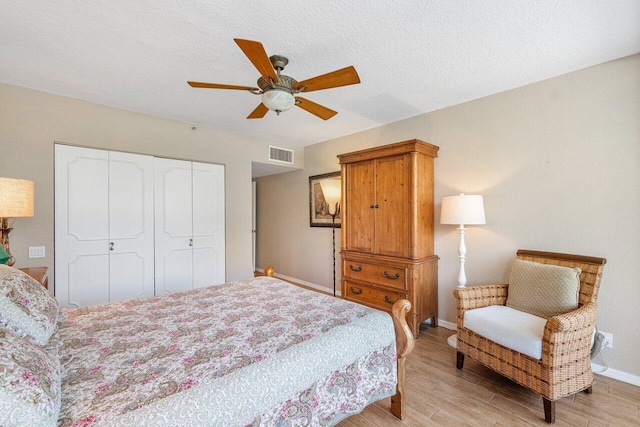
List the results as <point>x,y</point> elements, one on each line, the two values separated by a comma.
<point>131,240</point>
<point>208,224</point>
<point>173,226</point>
<point>360,200</point>
<point>392,201</point>
<point>81,226</point>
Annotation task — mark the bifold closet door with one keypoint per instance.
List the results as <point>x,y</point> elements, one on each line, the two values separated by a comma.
<point>103,226</point>
<point>131,233</point>
<point>190,226</point>
<point>208,225</point>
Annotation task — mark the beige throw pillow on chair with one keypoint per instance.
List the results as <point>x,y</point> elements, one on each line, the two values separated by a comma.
<point>543,290</point>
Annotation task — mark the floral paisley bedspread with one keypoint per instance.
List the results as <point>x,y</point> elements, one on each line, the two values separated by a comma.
<point>254,352</point>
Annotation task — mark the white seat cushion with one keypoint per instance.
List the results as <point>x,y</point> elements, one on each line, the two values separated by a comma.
<point>511,328</point>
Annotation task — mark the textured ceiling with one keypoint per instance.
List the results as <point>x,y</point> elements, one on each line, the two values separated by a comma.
<point>412,56</point>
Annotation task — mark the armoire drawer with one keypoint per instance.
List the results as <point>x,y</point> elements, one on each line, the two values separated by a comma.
<point>379,298</point>
<point>376,273</point>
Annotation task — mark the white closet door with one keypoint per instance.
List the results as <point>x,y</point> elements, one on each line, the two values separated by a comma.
<point>81,226</point>
<point>208,225</point>
<point>131,231</point>
<point>173,225</point>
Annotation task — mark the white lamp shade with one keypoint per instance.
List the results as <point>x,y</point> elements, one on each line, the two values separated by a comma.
<point>278,100</point>
<point>462,209</point>
<point>332,190</point>
<point>16,198</point>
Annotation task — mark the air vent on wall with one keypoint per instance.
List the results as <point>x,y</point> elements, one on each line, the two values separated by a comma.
<point>282,155</point>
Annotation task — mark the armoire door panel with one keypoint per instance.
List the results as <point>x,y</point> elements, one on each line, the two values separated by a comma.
<point>392,208</point>
<point>360,200</point>
<point>88,280</point>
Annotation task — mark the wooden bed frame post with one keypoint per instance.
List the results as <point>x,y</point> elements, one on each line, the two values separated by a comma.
<point>404,346</point>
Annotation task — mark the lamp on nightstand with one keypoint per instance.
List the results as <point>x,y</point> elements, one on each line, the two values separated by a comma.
<point>332,191</point>
<point>461,210</point>
<point>16,201</point>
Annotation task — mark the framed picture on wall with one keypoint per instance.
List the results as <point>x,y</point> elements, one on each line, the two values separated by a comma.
<point>318,206</point>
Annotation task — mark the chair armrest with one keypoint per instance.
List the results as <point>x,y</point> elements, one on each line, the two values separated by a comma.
<point>567,337</point>
<point>581,318</point>
<point>481,296</point>
<point>478,297</point>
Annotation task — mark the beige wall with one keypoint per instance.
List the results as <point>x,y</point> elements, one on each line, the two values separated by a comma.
<point>558,164</point>
<point>30,122</point>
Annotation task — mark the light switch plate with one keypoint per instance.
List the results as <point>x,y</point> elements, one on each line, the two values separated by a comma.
<point>36,252</point>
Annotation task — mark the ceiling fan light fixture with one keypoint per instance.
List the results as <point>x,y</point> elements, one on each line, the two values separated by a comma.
<point>278,100</point>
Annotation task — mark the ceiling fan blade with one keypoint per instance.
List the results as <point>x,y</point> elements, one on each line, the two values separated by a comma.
<point>316,109</point>
<point>258,57</point>
<point>343,77</point>
<point>220,86</point>
<point>259,112</point>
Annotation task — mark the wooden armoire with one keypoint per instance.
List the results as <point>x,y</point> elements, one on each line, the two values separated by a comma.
<point>387,228</point>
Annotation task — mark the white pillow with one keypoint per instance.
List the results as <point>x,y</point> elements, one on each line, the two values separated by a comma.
<point>543,290</point>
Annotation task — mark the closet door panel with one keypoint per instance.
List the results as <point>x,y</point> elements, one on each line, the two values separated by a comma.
<point>206,267</point>
<point>208,225</point>
<point>173,226</point>
<point>174,271</point>
<point>81,226</point>
<point>131,226</point>
<point>88,278</point>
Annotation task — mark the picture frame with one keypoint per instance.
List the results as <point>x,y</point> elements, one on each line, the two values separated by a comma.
<point>318,206</point>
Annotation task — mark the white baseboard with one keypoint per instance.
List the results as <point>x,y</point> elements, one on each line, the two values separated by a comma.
<point>611,373</point>
<point>616,375</point>
<point>447,325</point>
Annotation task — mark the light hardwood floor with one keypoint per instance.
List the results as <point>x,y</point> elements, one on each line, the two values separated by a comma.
<point>440,395</point>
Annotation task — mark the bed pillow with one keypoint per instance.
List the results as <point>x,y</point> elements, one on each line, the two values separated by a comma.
<point>26,307</point>
<point>543,290</point>
<point>29,383</point>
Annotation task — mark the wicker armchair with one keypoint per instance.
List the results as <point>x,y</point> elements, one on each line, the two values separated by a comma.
<point>565,367</point>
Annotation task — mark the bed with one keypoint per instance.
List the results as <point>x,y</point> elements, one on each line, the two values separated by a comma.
<point>254,352</point>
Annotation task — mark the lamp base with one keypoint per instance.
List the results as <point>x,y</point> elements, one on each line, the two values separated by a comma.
<point>5,241</point>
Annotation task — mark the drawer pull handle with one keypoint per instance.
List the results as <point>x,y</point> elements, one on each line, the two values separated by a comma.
<point>397,275</point>
<point>376,206</point>
<point>371,206</point>
<point>387,299</point>
<point>111,244</point>
<point>355,291</point>
<point>354,268</point>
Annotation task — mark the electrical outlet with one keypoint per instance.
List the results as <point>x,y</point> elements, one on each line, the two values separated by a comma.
<point>36,252</point>
<point>608,339</point>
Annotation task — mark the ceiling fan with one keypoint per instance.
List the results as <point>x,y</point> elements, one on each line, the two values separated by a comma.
<point>278,91</point>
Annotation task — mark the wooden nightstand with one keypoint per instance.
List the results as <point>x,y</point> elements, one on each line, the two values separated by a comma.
<point>41,274</point>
